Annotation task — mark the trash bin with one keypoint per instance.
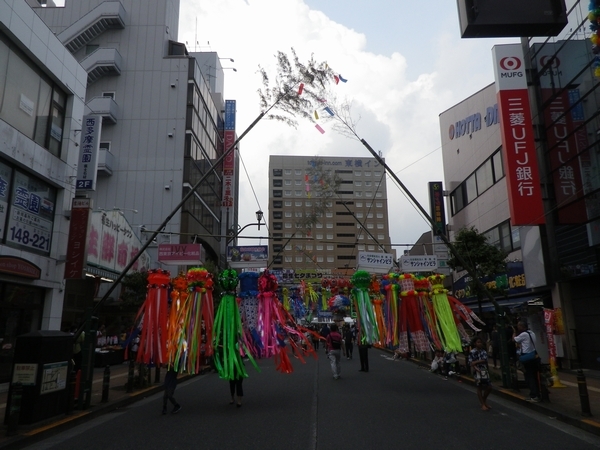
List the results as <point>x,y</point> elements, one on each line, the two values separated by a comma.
<point>41,365</point>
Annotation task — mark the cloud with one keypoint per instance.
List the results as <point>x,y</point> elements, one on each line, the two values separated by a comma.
<point>398,115</point>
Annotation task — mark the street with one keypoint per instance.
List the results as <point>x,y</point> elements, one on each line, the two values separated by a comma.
<point>397,404</point>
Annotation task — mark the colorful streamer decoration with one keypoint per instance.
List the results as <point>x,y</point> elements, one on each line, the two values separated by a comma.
<point>343,80</point>
<point>328,110</point>
<point>228,339</point>
<point>364,309</point>
<point>153,319</point>
<point>594,18</point>
<point>318,127</point>
<point>316,115</point>
<point>448,332</point>
<point>300,88</point>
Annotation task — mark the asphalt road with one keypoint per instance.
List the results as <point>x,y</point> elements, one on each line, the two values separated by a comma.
<point>396,405</point>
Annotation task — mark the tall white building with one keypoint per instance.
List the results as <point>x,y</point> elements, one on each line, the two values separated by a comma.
<point>162,131</point>
<point>42,91</point>
<point>354,218</point>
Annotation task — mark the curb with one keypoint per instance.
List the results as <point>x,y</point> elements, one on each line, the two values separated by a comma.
<point>582,423</point>
<point>54,426</point>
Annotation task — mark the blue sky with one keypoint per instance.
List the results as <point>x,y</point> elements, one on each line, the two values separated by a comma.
<point>405,63</point>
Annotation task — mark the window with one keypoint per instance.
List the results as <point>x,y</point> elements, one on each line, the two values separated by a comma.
<point>379,215</point>
<point>377,173</point>
<point>369,215</point>
<point>277,193</point>
<point>277,248</point>
<point>359,215</point>
<point>287,203</point>
<point>369,194</point>
<point>287,171</point>
<point>371,247</point>
<point>288,214</point>
<point>288,225</point>
<point>357,173</point>
<point>277,226</point>
<point>328,214</point>
<point>319,259</point>
<point>485,177</point>
<point>298,225</point>
<point>298,204</point>
<point>359,204</point>
<point>330,259</point>
<point>358,194</point>
<point>288,259</point>
<point>380,237</point>
<point>298,193</point>
<point>287,193</point>
<point>516,238</point>
<point>320,236</point>
<point>109,94</point>
<point>299,247</point>
<point>319,246</point>
<point>347,257</point>
<point>298,172</point>
<point>358,183</point>
<point>378,204</point>
<point>299,259</point>
<point>298,214</point>
<point>277,204</point>
<point>308,204</point>
<point>471,186</point>
<point>277,236</point>
<point>318,225</point>
<point>370,226</point>
<point>498,167</point>
<point>379,194</point>
<point>368,183</point>
<point>277,183</point>
<point>287,235</point>
<point>308,246</point>
<point>277,214</point>
<point>288,247</point>
<point>105,146</point>
<point>288,182</point>
<point>298,182</point>
<point>277,172</point>
<point>380,226</point>
<point>330,236</point>
<point>457,200</point>
<point>361,248</point>
<point>367,173</point>
<point>329,225</point>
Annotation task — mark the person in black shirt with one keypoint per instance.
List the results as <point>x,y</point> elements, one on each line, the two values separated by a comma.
<point>349,341</point>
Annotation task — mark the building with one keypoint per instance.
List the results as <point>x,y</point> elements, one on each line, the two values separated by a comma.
<point>161,133</point>
<point>42,88</point>
<point>555,251</point>
<point>314,230</point>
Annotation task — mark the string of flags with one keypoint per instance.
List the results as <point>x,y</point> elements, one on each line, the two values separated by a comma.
<point>337,78</point>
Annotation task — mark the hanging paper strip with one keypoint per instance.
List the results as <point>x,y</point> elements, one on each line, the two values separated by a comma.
<point>343,80</point>
<point>300,88</point>
<point>316,115</point>
<point>328,110</point>
<point>445,316</point>
<point>154,317</point>
<point>228,333</point>
<point>410,317</point>
<point>179,296</point>
<point>364,308</point>
<point>594,18</point>
<point>318,127</point>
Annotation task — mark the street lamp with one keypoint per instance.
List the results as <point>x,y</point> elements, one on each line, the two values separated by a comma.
<point>231,68</point>
<point>235,229</point>
<point>230,59</point>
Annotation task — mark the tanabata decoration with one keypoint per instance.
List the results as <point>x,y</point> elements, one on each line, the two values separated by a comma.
<point>447,330</point>
<point>277,327</point>
<point>153,319</point>
<point>390,284</point>
<point>196,318</point>
<point>249,309</point>
<point>462,312</point>
<point>364,308</point>
<point>228,336</point>
<point>175,335</point>
<point>594,18</point>
<point>377,300</point>
<point>410,316</point>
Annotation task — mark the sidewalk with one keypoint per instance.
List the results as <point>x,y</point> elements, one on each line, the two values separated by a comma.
<point>118,397</point>
<point>564,403</point>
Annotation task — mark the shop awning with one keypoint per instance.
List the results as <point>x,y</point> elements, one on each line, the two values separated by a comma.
<point>511,303</point>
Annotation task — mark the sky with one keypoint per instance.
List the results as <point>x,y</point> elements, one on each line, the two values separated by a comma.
<point>405,63</point>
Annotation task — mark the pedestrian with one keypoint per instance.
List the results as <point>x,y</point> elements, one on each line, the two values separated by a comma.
<point>438,361</point>
<point>236,388</point>
<point>478,361</point>
<point>170,385</point>
<point>349,341</point>
<point>77,347</point>
<point>324,333</point>
<point>315,338</point>
<point>495,345</point>
<point>334,350</point>
<point>363,352</point>
<point>525,340</point>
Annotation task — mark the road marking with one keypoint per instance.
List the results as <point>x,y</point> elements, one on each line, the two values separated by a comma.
<point>568,383</point>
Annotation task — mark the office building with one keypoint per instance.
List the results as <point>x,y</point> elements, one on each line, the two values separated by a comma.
<point>314,230</point>
<point>42,88</point>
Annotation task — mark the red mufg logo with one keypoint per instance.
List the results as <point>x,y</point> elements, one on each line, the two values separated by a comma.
<point>552,61</point>
<point>510,63</point>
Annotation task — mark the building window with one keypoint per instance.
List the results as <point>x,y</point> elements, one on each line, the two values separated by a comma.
<point>367,173</point>
<point>320,236</point>
<point>287,203</point>
<point>277,236</point>
<point>368,183</point>
<point>288,225</point>
<point>288,247</point>
<point>371,247</point>
<point>298,214</point>
<point>299,259</point>
<point>329,225</point>
<point>358,183</point>
<point>277,215</point>
<point>309,247</point>
<point>318,225</point>
<point>288,182</point>
<point>298,204</point>
<point>330,236</point>
<point>319,246</point>
<point>361,248</point>
<point>277,172</point>
<point>319,259</point>
<point>369,194</point>
<point>288,214</point>
<point>287,193</point>
<point>485,177</point>
<point>357,173</point>
<point>359,204</point>
<point>277,226</point>
<point>277,248</point>
<point>109,94</point>
<point>359,215</point>
<point>328,214</point>
<point>277,204</point>
<point>471,186</point>
<point>378,204</point>
<point>329,247</point>
<point>297,172</point>
<point>380,226</point>
<point>377,173</point>
<point>380,237</point>
<point>379,194</point>
<point>288,259</point>
<point>379,215</point>
<point>277,183</point>
<point>277,193</point>
<point>330,259</point>
<point>498,167</point>
<point>287,171</point>
<point>358,193</point>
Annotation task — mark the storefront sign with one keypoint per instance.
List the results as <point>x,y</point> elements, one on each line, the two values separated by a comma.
<point>375,262</point>
<point>87,167</point>
<point>247,253</point>
<point>78,231</point>
<point>518,146</point>
<point>180,254</point>
<point>418,263</point>
<point>19,267</point>
<point>229,161</point>
<point>436,207</point>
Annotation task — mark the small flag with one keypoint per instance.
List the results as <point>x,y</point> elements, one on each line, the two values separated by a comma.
<point>316,115</point>
<point>318,127</point>
<point>343,80</point>
<point>322,100</point>
<point>336,78</point>
<point>300,88</point>
<point>328,111</point>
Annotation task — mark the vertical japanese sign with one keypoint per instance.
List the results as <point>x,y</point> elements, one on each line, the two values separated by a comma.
<point>229,161</point>
<point>78,231</point>
<point>436,207</point>
<point>518,146</point>
<point>87,165</point>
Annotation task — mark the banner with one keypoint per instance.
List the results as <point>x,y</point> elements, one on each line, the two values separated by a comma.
<point>518,146</point>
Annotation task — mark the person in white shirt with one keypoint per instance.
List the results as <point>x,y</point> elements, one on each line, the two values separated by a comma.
<point>525,340</point>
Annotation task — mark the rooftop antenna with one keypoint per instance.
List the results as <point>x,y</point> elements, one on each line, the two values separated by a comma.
<point>196,35</point>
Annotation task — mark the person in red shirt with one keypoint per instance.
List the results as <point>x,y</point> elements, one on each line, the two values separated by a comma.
<point>334,350</point>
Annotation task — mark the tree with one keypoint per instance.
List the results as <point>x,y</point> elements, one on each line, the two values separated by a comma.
<point>484,259</point>
<point>133,290</point>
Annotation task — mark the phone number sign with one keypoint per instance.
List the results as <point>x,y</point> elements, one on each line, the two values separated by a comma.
<point>418,263</point>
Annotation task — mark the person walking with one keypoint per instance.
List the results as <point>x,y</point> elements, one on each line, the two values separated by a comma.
<point>169,395</point>
<point>324,333</point>
<point>363,352</point>
<point>525,340</point>
<point>334,350</point>
<point>236,388</point>
<point>349,341</point>
<point>478,360</point>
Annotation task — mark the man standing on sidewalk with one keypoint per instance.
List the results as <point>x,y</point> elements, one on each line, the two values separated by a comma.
<point>525,339</point>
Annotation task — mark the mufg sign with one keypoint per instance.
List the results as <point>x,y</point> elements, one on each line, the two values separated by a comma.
<point>472,123</point>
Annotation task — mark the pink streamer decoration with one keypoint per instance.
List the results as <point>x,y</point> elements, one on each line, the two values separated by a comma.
<point>318,127</point>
